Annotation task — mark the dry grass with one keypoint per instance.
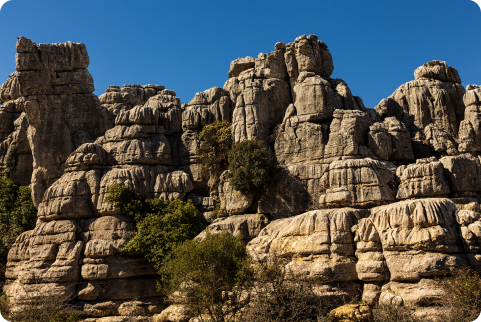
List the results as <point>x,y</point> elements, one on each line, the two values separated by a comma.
<point>42,309</point>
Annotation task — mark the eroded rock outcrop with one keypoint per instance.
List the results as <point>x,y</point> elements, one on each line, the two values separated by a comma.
<point>434,98</point>
<point>55,91</point>
<point>350,206</point>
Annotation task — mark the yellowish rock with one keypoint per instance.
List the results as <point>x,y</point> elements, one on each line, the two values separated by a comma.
<point>351,313</point>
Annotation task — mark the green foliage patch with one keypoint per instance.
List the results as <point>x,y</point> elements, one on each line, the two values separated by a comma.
<point>209,276</point>
<point>17,214</point>
<point>215,144</point>
<point>160,224</point>
<point>251,168</point>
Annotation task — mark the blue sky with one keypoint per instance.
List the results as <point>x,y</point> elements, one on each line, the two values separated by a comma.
<point>187,46</point>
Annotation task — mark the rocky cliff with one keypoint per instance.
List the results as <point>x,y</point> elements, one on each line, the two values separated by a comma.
<point>373,200</point>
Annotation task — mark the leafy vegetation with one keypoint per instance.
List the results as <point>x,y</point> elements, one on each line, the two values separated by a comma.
<point>215,144</point>
<point>17,214</point>
<point>160,224</point>
<point>251,168</point>
<point>210,277</point>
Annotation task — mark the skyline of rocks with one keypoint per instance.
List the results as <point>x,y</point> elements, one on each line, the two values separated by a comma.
<point>371,199</point>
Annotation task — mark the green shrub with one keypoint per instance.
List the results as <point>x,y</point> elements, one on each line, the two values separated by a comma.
<point>17,214</point>
<point>210,276</point>
<point>215,144</point>
<point>251,168</point>
<point>160,224</point>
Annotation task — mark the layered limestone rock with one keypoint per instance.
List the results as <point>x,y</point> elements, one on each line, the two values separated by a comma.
<point>423,179</point>
<point>247,227</point>
<point>350,206</point>
<point>15,153</point>
<point>390,140</point>
<point>469,129</point>
<point>55,91</point>
<point>434,99</point>
<point>360,183</point>
<point>317,244</point>
<point>116,100</point>
<point>79,236</point>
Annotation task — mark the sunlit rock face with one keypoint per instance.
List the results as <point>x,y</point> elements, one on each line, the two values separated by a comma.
<point>377,203</point>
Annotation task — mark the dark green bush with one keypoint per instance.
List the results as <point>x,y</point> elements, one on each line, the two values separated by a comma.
<point>210,276</point>
<point>215,144</point>
<point>160,224</point>
<point>17,214</point>
<point>251,168</point>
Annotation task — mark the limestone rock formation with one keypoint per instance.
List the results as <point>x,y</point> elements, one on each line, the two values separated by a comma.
<point>117,100</point>
<point>434,98</point>
<point>54,89</point>
<point>246,226</point>
<point>316,244</point>
<point>359,183</point>
<point>390,140</point>
<point>351,205</point>
<point>423,179</point>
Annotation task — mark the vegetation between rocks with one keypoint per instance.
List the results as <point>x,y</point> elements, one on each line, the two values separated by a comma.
<point>161,225</point>
<point>251,168</point>
<point>17,214</point>
<point>215,144</point>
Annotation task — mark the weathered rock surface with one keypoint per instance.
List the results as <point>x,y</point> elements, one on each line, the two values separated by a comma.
<point>297,190</point>
<point>434,98</point>
<point>350,205</point>
<point>246,226</point>
<point>390,140</point>
<point>423,179</point>
<point>359,183</point>
<point>351,313</point>
<point>315,244</point>
<point>55,91</point>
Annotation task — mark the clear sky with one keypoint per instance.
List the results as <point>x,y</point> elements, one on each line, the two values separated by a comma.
<point>187,46</point>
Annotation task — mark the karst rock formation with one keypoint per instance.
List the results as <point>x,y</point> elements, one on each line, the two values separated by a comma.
<point>379,202</point>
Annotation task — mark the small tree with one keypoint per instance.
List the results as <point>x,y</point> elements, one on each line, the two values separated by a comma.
<point>17,214</point>
<point>215,144</point>
<point>251,168</point>
<point>210,277</point>
<point>160,224</point>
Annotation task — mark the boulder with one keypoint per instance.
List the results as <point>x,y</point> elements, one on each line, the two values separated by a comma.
<point>351,313</point>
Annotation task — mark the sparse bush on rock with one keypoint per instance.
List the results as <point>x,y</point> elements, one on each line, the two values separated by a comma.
<point>40,309</point>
